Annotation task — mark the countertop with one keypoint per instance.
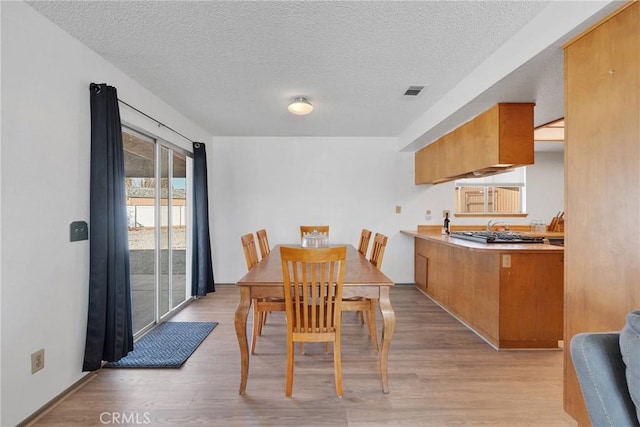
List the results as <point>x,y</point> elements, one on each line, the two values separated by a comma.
<point>500,247</point>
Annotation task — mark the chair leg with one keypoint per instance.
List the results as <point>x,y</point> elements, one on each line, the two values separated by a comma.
<point>337,366</point>
<point>372,323</point>
<point>256,326</point>
<point>361,315</point>
<point>261,316</point>
<point>264,318</point>
<point>290,356</point>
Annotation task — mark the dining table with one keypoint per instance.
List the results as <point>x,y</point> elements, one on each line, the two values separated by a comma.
<point>361,279</point>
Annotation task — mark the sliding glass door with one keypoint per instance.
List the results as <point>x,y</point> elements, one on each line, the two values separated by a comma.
<point>158,179</point>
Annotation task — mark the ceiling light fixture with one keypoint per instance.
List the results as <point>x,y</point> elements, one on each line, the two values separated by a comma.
<point>300,106</point>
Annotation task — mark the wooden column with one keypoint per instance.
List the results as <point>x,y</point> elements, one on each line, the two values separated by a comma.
<point>602,183</point>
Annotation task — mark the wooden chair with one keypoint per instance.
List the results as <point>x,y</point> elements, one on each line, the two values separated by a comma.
<point>368,305</point>
<point>263,242</point>
<point>377,251</point>
<point>313,281</point>
<point>265,249</point>
<point>304,229</point>
<point>363,246</point>
<point>263,305</point>
<point>249,248</point>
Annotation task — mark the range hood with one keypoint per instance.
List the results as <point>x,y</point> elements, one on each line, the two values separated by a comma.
<point>495,141</point>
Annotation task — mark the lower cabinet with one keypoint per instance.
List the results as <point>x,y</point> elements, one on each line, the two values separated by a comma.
<point>421,274</point>
<point>512,298</point>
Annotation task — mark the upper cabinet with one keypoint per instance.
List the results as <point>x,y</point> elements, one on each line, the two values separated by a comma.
<point>495,141</point>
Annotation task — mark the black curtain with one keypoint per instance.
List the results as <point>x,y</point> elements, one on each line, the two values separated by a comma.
<point>109,326</point>
<point>202,268</point>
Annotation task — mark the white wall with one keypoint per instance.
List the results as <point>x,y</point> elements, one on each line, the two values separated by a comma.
<point>348,183</point>
<point>45,155</point>
<point>281,183</point>
<point>545,186</point>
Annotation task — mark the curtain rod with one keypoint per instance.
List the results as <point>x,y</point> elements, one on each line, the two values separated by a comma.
<point>155,120</point>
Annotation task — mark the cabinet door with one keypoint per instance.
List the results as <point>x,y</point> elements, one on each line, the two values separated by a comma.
<point>421,272</point>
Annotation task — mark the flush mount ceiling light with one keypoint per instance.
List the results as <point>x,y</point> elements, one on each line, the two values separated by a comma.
<point>300,106</point>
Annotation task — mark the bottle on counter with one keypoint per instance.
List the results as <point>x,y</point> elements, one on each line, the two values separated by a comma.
<point>445,228</point>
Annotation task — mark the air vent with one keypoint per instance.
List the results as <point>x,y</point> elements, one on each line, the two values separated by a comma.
<point>413,91</point>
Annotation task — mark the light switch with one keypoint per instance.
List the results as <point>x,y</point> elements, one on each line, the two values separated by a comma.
<point>79,230</point>
<point>398,209</point>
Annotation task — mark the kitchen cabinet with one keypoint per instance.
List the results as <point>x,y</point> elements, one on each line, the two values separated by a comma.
<point>509,294</point>
<point>421,273</point>
<point>495,141</point>
<point>602,178</point>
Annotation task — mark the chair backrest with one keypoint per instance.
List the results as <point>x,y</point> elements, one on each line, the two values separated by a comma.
<point>313,290</point>
<point>365,236</point>
<point>304,229</point>
<point>249,248</point>
<point>377,251</point>
<point>263,242</point>
<point>598,363</point>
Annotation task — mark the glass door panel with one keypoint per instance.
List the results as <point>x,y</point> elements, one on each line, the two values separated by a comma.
<point>158,187</point>
<point>165,232</point>
<point>140,185</point>
<point>179,229</point>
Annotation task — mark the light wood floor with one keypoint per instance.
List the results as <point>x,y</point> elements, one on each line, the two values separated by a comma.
<point>440,374</point>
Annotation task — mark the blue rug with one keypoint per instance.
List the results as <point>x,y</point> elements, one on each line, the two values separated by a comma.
<point>167,346</point>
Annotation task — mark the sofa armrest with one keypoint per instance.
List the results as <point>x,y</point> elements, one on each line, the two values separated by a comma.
<point>601,373</point>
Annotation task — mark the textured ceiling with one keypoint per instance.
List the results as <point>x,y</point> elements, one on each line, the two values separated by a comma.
<point>233,66</point>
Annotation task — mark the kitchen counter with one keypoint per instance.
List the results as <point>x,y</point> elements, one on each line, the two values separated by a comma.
<point>501,247</point>
<point>510,294</point>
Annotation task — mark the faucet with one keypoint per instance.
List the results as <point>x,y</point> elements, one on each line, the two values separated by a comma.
<point>491,224</point>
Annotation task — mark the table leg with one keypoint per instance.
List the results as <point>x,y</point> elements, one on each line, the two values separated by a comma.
<point>241,331</point>
<point>388,326</point>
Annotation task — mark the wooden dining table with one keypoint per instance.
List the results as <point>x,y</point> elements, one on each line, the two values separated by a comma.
<point>361,279</point>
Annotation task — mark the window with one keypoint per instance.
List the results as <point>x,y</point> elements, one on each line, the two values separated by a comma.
<point>495,195</point>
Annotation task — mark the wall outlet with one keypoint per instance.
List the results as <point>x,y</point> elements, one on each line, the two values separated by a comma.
<point>37,361</point>
<point>506,261</point>
<point>445,213</point>
<point>398,209</point>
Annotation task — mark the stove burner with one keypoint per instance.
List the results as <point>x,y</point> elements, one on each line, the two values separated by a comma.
<point>495,237</point>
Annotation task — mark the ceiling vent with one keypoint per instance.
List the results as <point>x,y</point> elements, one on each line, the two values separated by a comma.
<point>413,91</point>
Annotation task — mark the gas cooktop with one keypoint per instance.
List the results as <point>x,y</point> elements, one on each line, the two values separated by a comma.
<point>495,237</point>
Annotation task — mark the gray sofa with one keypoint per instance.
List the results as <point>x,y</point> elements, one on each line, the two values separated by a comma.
<point>601,372</point>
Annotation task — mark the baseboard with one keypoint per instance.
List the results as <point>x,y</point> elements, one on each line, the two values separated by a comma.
<point>33,418</point>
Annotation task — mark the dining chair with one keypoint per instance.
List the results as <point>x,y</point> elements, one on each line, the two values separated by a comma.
<point>377,250</point>
<point>313,280</point>
<point>265,249</point>
<point>363,246</point>
<point>304,229</point>
<point>263,242</point>
<point>249,249</point>
<point>260,305</point>
<point>368,305</point>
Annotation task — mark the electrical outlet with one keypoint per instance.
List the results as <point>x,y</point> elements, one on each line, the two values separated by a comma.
<point>37,361</point>
<point>398,209</point>
<point>506,261</point>
<point>445,213</point>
